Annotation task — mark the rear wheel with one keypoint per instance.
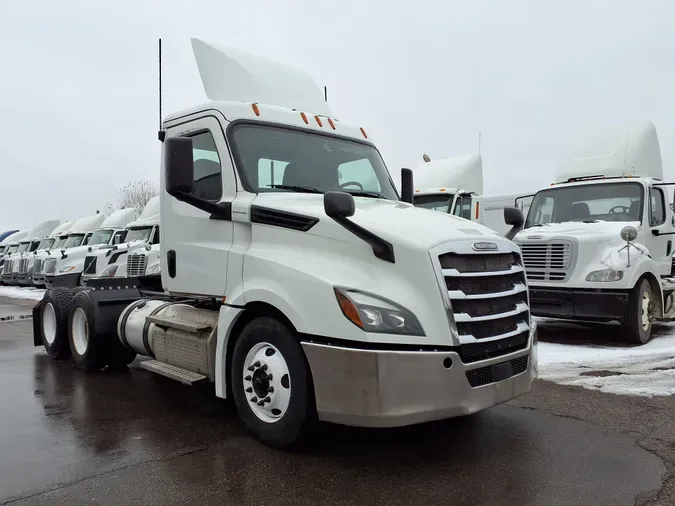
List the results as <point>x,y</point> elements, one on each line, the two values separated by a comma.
<point>55,308</point>
<point>637,324</point>
<point>272,385</point>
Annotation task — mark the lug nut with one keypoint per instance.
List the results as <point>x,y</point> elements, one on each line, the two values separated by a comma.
<point>269,377</point>
<point>261,403</point>
<point>267,399</point>
<point>249,390</point>
<point>264,367</point>
<point>254,399</point>
<point>256,363</point>
<point>248,378</point>
<point>250,368</point>
<point>270,390</point>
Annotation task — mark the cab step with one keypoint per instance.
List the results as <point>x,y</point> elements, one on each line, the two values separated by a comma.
<point>175,323</point>
<point>171,371</point>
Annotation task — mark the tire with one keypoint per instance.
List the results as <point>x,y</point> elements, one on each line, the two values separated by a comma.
<point>87,348</point>
<point>54,329</point>
<point>634,327</point>
<point>275,351</point>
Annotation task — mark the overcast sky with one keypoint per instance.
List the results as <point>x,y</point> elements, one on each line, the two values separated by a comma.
<point>78,93</point>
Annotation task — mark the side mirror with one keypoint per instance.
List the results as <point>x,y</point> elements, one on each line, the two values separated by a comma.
<point>338,205</point>
<point>513,217</point>
<point>407,185</point>
<point>179,165</point>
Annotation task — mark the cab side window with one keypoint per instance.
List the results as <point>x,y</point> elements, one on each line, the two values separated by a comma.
<point>208,177</point>
<point>155,237</point>
<point>463,207</point>
<point>657,207</point>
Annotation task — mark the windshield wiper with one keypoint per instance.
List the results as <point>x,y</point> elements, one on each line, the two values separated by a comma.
<point>366,193</point>
<point>301,189</point>
<point>590,221</point>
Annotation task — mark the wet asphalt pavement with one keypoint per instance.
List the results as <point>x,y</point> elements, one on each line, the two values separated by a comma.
<point>121,438</point>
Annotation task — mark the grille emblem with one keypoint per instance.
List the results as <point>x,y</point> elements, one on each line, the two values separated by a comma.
<point>484,246</point>
<point>535,236</point>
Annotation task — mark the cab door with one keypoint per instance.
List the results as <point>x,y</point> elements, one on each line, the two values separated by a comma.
<point>656,223</point>
<point>196,245</point>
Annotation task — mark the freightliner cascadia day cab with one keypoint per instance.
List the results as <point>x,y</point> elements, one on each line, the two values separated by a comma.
<point>30,262</point>
<point>303,296</point>
<point>455,185</point>
<point>598,243</point>
<point>68,270</point>
<point>57,271</point>
<point>60,237</point>
<point>29,244</point>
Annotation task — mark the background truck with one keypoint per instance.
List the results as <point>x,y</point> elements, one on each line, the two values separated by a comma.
<point>111,261</point>
<point>12,245</point>
<point>4,236</point>
<point>60,238</point>
<point>310,299</point>
<point>78,235</point>
<point>598,243</point>
<point>69,268</point>
<point>29,262</point>
<point>30,243</point>
<point>455,186</point>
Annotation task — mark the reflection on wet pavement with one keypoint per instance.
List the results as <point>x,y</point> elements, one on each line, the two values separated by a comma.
<point>70,438</point>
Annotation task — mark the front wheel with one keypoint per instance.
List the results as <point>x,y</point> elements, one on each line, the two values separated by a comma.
<point>637,324</point>
<point>272,385</point>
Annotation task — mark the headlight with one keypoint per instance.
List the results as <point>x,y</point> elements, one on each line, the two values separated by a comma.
<point>109,271</point>
<point>372,313</point>
<point>67,268</point>
<point>605,275</point>
<point>153,269</point>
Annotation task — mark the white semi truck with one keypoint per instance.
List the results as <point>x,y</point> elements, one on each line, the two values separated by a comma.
<point>30,262</point>
<point>27,246</point>
<point>60,237</point>
<point>69,268</point>
<point>455,185</point>
<point>598,242</point>
<point>11,244</point>
<point>111,261</point>
<point>305,299</point>
<point>58,273</point>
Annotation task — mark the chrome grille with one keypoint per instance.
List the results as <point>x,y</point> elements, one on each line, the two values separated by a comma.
<point>37,266</point>
<point>7,268</point>
<point>488,299</point>
<point>50,265</point>
<point>547,261</point>
<point>136,265</point>
<point>89,264</point>
<point>23,266</point>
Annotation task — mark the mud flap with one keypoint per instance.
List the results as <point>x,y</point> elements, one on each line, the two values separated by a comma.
<point>37,324</point>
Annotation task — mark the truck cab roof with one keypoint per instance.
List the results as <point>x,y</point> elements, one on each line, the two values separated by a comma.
<point>457,173</point>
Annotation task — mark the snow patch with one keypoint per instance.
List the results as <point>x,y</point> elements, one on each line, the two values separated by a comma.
<point>16,292</point>
<point>646,370</point>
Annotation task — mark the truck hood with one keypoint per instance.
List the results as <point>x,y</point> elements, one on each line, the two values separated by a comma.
<point>604,230</point>
<point>422,225</point>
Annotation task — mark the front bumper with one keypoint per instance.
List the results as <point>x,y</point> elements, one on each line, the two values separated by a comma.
<point>62,280</point>
<point>11,279</point>
<point>578,304</point>
<point>376,388</point>
<point>25,279</point>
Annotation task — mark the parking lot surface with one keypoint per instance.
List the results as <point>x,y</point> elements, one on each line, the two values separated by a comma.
<point>120,438</point>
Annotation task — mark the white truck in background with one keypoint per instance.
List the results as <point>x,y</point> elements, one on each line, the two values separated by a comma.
<point>29,244</point>
<point>455,186</point>
<point>598,243</point>
<point>78,235</point>
<point>11,244</point>
<point>59,236</point>
<point>309,299</point>
<point>69,268</point>
<point>29,262</point>
<point>111,261</point>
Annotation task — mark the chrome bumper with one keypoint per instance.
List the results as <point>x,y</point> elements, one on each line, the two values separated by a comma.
<point>375,388</point>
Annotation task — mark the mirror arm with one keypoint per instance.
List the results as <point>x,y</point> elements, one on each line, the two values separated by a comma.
<point>218,210</point>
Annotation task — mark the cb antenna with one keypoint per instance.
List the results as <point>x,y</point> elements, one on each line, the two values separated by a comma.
<point>160,83</point>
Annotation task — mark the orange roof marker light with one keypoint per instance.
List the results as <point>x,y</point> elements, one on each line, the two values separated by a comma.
<point>318,121</point>
<point>441,189</point>
<point>330,122</point>
<point>304,118</point>
<point>364,132</point>
<point>255,109</point>
<point>477,209</point>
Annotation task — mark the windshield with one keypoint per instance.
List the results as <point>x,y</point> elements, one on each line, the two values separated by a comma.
<point>587,203</point>
<point>138,234</point>
<point>46,243</point>
<point>61,243</point>
<point>74,240</point>
<point>12,249</point>
<point>23,247</point>
<point>100,237</point>
<point>281,159</point>
<point>435,202</point>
